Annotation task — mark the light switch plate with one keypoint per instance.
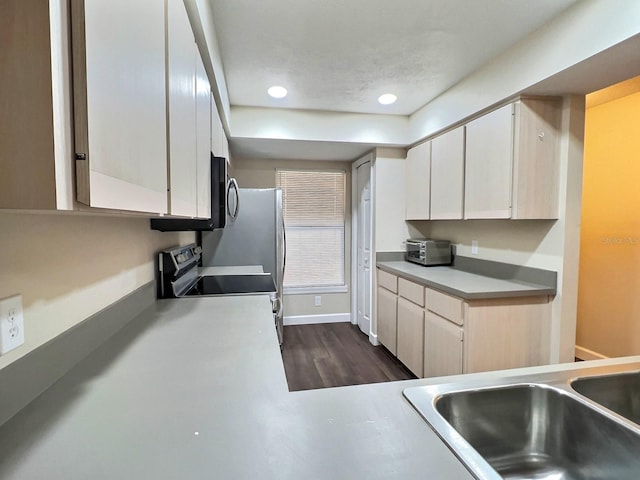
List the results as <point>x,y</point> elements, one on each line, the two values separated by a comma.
<point>11,324</point>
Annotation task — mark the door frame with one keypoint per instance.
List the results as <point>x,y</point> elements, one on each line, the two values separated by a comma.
<point>369,157</point>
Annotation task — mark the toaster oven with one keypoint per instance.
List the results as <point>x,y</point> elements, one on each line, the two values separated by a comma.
<point>428,252</point>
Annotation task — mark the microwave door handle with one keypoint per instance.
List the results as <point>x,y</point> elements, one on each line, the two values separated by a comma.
<point>233,184</point>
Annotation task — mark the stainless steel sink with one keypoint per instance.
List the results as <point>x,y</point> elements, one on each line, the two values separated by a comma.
<point>619,392</point>
<point>531,427</point>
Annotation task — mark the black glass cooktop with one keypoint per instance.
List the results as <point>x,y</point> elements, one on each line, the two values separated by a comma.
<point>233,285</point>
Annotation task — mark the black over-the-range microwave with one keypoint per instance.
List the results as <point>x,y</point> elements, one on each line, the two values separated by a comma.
<point>224,204</point>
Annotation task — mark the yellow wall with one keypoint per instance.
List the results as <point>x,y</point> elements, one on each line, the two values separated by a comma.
<point>609,281</point>
<point>68,266</point>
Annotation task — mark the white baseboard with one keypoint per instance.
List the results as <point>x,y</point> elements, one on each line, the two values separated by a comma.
<point>586,354</point>
<point>310,319</point>
<point>373,339</point>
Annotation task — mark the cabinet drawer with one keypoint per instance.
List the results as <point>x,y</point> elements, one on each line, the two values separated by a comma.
<point>388,281</point>
<point>444,305</point>
<point>411,291</point>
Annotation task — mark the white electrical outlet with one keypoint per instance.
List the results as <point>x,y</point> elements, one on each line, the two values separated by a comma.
<point>318,300</point>
<point>11,324</point>
<point>474,247</point>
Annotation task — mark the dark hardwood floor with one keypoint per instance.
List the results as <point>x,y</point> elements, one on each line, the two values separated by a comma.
<point>334,355</point>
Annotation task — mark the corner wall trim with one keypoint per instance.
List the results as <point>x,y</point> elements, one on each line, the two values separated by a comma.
<point>586,354</point>
<point>311,319</point>
<point>34,373</point>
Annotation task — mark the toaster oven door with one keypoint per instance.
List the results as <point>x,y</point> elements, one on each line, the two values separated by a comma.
<point>415,252</point>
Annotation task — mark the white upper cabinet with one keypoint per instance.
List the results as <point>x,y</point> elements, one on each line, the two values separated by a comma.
<point>181,72</point>
<point>447,175</point>
<point>203,146</point>
<point>418,168</point>
<point>489,159</point>
<point>119,104</point>
<point>511,166</point>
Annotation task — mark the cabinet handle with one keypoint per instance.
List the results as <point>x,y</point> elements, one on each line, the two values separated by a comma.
<point>541,136</point>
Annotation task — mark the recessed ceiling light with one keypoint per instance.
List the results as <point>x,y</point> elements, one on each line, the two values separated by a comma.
<point>277,92</point>
<point>387,98</point>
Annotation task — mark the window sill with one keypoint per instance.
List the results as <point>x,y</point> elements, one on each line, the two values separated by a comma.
<point>315,290</point>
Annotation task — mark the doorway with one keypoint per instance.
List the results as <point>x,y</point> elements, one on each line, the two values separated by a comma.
<point>609,276</point>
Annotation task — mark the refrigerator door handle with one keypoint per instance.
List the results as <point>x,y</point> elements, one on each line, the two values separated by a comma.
<point>284,248</point>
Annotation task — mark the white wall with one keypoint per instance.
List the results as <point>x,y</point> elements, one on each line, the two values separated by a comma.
<point>582,31</point>
<point>279,123</point>
<point>68,266</point>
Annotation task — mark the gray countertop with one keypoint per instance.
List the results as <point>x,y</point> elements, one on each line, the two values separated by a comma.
<point>195,388</point>
<point>466,285</point>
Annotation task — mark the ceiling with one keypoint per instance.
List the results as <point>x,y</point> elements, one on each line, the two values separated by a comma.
<point>340,55</point>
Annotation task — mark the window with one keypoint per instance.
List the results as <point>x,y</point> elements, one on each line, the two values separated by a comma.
<point>314,217</point>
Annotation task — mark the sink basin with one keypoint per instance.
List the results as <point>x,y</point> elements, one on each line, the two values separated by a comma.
<point>534,431</point>
<point>620,393</point>
<point>542,425</point>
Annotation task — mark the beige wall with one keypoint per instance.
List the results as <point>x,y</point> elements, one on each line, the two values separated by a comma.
<point>252,173</point>
<point>68,266</point>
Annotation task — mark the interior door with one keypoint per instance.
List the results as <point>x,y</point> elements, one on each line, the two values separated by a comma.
<point>363,234</point>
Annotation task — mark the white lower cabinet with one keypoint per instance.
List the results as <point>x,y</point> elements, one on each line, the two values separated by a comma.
<point>466,336</point>
<point>443,346</point>
<point>436,334</point>
<point>410,335</point>
<point>387,319</point>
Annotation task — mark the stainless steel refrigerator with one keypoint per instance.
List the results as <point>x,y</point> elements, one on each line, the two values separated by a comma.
<point>256,237</point>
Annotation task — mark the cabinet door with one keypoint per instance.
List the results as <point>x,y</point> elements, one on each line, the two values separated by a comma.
<point>411,335</point>
<point>387,319</point>
<point>536,165</point>
<point>203,145</point>
<point>447,175</point>
<point>120,104</point>
<point>443,346</point>
<point>488,165</point>
<point>506,333</point>
<point>418,167</point>
<point>181,69</point>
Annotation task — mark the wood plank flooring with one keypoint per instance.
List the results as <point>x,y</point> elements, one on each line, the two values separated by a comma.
<point>334,355</point>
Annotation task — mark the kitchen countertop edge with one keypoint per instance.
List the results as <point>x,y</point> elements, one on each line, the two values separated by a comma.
<point>515,288</point>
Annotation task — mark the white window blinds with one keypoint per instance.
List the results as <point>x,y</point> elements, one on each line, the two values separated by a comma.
<point>314,217</point>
